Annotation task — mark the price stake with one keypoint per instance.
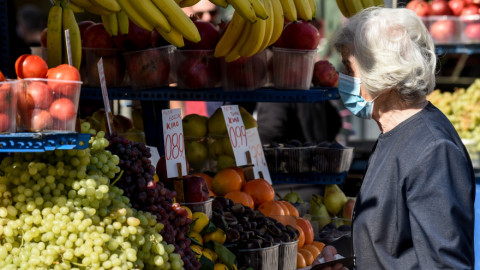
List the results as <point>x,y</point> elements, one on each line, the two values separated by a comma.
<point>236,133</point>
<point>258,158</point>
<point>173,142</point>
<point>106,102</point>
<point>69,47</point>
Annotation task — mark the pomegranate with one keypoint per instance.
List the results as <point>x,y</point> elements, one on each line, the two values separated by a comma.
<point>439,7</point>
<point>324,74</point>
<point>95,36</point>
<point>209,36</point>
<point>456,6</point>
<point>470,9</point>
<point>136,39</point>
<point>300,35</point>
<point>419,6</point>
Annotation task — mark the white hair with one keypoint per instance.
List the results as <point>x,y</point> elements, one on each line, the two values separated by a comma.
<point>393,50</point>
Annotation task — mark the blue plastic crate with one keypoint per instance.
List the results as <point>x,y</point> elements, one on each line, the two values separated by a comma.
<point>41,142</point>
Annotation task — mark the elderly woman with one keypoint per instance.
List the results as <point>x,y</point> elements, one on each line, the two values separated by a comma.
<point>415,209</point>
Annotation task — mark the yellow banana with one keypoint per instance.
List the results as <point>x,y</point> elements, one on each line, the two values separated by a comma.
<point>289,9</point>
<point>379,3</point>
<point>111,23</point>
<point>98,10</point>
<point>244,8</point>
<point>254,39</point>
<point>82,3</point>
<point>231,36</point>
<point>133,15</point>
<point>259,9</point>
<point>178,19</point>
<point>69,22</point>
<point>173,37</point>
<point>313,7</point>
<point>234,54</point>
<point>54,36</point>
<point>343,8</point>
<point>304,11</point>
<point>75,8</point>
<point>353,6</point>
<point>187,3</point>
<point>220,3</point>
<point>278,21</point>
<point>110,5</point>
<point>269,24</point>
<point>123,23</point>
<point>371,3</point>
<point>151,13</point>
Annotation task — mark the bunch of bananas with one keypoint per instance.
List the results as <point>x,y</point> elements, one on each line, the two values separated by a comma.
<point>351,7</point>
<point>61,18</point>
<point>244,38</point>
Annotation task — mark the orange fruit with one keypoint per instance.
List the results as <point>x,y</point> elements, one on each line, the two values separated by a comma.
<point>313,249</point>
<point>240,197</point>
<point>307,255</point>
<point>319,245</point>
<point>300,261</point>
<point>284,207</point>
<point>292,210</point>
<point>225,181</point>
<point>307,229</point>
<point>271,208</point>
<point>301,237</point>
<point>260,190</point>
<point>208,179</point>
<point>241,173</point>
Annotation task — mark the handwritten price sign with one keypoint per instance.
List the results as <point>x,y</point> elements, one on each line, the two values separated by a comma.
<point>173,141</point>
<point>236,133</point>
<point>258,158</point>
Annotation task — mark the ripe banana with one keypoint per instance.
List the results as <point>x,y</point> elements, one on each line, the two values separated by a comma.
<point>111,23</point>
<point>174,37</point>
<point>123,23</point>
<point>343,8</point>
<point>54,36</point>
<point>278,21</point>
<point>110,5</point>
<point>231,36</point>
<point>349,7</point>
<point>372,3</point>
<point>289,9</point>
<point>313,7</point>
<point>69,22</point>
<point>259,9</point>
<point>304,11</point>
<point>234,53</point>
<point>244,8</point>
<point>151,13</point>
<point>254,39</point>
<point>269,24</point>
<point>220,3</point>
<point>82,3</point>
<point>178,19</point>
<point>75,8</point>
<point>187,3</point>
<point>133,15</point>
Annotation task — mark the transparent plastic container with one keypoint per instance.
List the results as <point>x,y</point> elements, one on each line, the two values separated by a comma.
<point>293,69</point>
<point>46,105</point>
<point>470,29</point>
<point>113,66</point>
<point>39,51</point>
<point>149,68</point>
<point>287,255</point>
<point>259,258</point>
<point>444,29</point>
<point>8,106</point>
<point>331,160</point>
<point>204,207</point>
<point>196,69</point>
<point>295,159</point>
<point>246,73</point>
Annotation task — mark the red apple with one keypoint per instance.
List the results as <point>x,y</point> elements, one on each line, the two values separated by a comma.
<point>300,35</point>
<point>456,6</point>
<point>439,7</point>
<point>39,96</point>
<point>443,31</point>
<point>472,31</point>
<point>95,36</point>
<point>209,37</point>
<point>83,25</point>
<point>63,109</point>
<point>38,120</point>
<point>420,7</point>
<point>136,39</point>
<point>149,68</point>
<point>195,188</point>
<point>324,74</point>
<point>470,9</point>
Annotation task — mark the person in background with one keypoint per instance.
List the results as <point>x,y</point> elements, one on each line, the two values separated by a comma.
<point>415,209</point>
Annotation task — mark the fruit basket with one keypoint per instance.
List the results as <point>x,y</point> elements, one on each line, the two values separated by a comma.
<point>196,69</point>
<point>246,73</point>
<point>46,105</point>
<point>287,255</point>
<point>8,108</point>
<point>204,207</point>
<point>470,29</point>
<point>293,68</point>
<point>259,258</point>
<point>294,159</point>
<point>113,66</point>
<point>332,159</point>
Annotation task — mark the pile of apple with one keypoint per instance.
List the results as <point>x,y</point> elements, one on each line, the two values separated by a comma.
<point>47,98</point>
<point>462,22</point>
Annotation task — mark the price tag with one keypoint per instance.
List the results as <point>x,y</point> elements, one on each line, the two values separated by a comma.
<point>69,47</point>
<point>173,142</point>
<point>236,133</point>
<point>106,102</point>
<point>258,158</point>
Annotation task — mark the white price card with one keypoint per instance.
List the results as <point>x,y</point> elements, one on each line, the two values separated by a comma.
<point>173,142</point>
<point>236,133</point>
<point>260,168</point>
<point>106,102</point>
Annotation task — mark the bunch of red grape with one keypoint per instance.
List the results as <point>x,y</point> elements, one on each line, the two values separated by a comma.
<point>145,194</point>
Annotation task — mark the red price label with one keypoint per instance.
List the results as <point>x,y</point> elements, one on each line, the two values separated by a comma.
<point>174,146</point>
<point>173,142</point>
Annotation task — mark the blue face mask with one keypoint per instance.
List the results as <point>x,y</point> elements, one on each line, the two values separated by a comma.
<point>349,90</point>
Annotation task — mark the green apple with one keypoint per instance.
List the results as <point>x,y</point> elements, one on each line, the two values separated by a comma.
<point>215,149</point>
<point>227,147</point>
<point>248,120</point>
<point>216,123</point>
<point>225,162</point>
<point>196,152</point>
<point>194,125</point>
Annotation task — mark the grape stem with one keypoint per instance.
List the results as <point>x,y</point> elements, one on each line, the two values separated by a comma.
<point>118,178</point>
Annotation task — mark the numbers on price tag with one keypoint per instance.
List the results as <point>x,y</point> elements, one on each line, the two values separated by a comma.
<point>236,133</point>
<point>174,146</point>
<point>260,167</point>
<point>238,136</point>
<point>258,157</point>
<point>173,142</point>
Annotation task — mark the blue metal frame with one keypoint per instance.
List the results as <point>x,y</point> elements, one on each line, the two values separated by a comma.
<point>41,142</point>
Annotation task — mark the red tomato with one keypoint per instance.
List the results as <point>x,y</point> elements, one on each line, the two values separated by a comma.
<point>31,66</point>
<point>40,120</point>
<point>67,73</point>
<point>39,96</point>
<point>63,109</point>
<point>4,122</point>
<point>5,97</point>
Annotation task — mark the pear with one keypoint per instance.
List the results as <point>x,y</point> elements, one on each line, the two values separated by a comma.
<point>215,149</point>
<point>216,123</point>
<point>227,147</point>
<point>224,162</point>
<point>292,197</point>
<point>248,120</point>
<point>334,199</point>
<point>196,152</point>
<point>318,211</point>
<point>194,125</point>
